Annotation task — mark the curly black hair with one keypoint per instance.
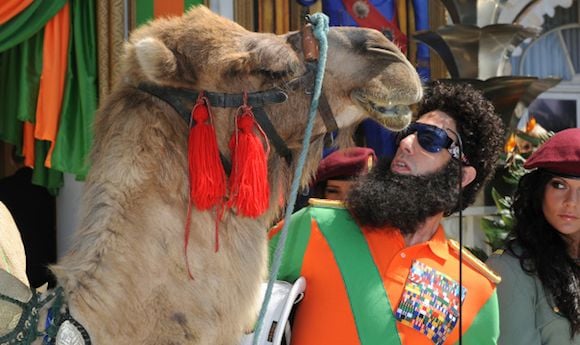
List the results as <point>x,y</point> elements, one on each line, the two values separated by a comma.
<point>541,250</point>
<point>480,128</point>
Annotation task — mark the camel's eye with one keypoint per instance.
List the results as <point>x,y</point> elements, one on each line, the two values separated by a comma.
<point>384,51</point>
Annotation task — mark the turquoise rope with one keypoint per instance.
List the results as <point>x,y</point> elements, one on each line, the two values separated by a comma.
<point>320,23</point>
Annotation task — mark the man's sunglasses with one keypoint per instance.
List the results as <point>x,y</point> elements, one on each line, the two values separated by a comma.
<point>432,139</point>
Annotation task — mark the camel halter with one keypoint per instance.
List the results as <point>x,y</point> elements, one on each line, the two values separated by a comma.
<point>181,100</point>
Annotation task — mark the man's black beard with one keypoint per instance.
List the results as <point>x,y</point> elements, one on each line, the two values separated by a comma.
<point>383,198</point>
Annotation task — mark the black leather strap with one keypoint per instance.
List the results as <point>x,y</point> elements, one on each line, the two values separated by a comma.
<point>183,100</point>
<point>180,100</point>
<point>279,144</point>
<point>326,113</point>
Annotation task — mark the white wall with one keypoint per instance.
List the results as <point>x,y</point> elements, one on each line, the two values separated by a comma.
<point>223,7</point>
<point>67,213</point>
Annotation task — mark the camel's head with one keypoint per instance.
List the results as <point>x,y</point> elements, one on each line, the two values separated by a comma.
<point>366,74</point>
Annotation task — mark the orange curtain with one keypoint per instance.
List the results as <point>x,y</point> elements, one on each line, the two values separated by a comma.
<point>10,8</point>
<point>167,8</point>
<point>28,144</point>
<point>52,79</point>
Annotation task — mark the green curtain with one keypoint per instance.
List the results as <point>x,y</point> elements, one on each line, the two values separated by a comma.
<point>75,133</point>
<point>49,178</point>
<point>144,9</point>
<point>20,69</point>
<point>28,22</point>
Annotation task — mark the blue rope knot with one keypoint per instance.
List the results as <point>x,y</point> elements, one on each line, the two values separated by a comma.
<point>320,23</point>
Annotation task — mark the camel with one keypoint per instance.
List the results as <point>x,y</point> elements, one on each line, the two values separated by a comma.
<point>126,279</point>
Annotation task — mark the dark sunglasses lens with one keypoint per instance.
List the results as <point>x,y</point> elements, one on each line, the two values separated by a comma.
<point>431,139</point>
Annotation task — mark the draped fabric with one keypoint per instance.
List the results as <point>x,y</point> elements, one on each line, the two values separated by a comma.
<point>49,85</point>
<point>20,69</point>
<point>10,8</point>
<point>28,22</point>
<point>54,57</point>
<point>50,76</point>
<point>149,9</point>
<point>75,135</point>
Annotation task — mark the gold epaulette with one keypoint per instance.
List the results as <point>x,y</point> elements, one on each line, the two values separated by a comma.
<point>475,262</point>
<point>326,203</point>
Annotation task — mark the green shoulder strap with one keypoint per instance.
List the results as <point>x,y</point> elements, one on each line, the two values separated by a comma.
<point>295,246</point>
<point>370,305</point>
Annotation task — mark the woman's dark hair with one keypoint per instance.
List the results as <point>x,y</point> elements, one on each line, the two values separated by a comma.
<point>542,250</point>
<point>480,128</point>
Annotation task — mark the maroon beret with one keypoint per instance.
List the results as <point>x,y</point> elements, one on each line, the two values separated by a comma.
<point>344,163</point>
<point>560,154</point>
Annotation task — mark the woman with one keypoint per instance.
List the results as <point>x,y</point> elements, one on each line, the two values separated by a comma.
<point>539,295</point>
<point>338,170</point>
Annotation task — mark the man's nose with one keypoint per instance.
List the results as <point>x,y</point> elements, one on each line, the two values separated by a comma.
<point>407,144</point>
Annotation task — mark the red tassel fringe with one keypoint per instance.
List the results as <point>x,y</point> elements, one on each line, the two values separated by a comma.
<point>249,188</point>
<point>248,183</point>
<point>207,178</point>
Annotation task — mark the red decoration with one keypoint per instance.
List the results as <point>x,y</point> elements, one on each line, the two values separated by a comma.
<point>249,188</point>
<point>207,178</point>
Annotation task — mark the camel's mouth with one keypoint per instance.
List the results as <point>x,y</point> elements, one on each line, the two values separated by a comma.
<point>393,116</point>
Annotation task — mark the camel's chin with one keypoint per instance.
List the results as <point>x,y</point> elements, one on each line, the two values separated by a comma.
<point>395,120</point>
<point>393,116</point>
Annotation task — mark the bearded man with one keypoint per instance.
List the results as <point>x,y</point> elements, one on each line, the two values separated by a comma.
<point>380,269</point>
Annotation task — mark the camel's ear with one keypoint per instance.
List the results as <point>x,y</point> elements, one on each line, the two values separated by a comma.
<point>269,56</point>
<point>156,60</point>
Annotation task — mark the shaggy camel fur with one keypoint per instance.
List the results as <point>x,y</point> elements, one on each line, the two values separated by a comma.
<point>125,278</point>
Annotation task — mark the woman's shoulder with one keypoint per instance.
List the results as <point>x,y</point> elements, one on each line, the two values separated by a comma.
<point>506,263</point>
<point>504,257</point>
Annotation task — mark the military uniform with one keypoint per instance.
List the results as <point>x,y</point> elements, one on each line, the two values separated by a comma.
<point>367,287</point>
<point>527,315</point>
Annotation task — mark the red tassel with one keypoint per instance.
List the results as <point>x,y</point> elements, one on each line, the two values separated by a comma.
<point>249,188</point>
<point>207,178</point>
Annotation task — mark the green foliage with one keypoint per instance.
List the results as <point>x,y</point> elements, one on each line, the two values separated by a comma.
<point>497,227</point>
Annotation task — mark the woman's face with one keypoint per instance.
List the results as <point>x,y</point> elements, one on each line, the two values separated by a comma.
<point>561,206</point>
<point>337,189</point>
